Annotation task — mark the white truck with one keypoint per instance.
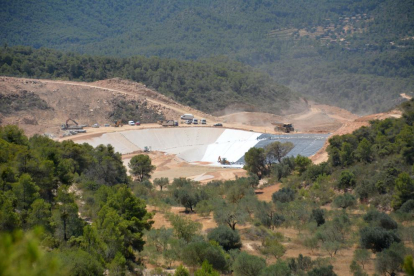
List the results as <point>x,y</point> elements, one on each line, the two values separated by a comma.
<point>195,121</point>
<point>203,121</point>
<point>186,117</point>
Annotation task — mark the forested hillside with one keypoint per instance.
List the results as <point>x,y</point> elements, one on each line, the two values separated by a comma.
<point>355,54</point>
<point>36,195</point>
<point>214,85</point>
<point>71,209</point>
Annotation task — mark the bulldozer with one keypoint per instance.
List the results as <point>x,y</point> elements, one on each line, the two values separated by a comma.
<point>283,127</point>
<point>118,123</point>
<point>223,161</point>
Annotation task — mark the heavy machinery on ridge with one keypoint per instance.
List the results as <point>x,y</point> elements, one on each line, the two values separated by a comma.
<point>66,125</point>
<point>168,123</point>
<point>283,127</point>
<point>118,123</point>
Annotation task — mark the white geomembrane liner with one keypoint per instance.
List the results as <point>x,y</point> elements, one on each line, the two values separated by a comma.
<point>204,144</point>
<point>232,145</point>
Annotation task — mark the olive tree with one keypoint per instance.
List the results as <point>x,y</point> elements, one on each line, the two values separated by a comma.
<point>161,182</point>
<point>277,150</point>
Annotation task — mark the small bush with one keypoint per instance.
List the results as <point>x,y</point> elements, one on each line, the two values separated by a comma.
<point>344,201</point>
<point>383,220</point>
<point>318,215</point>
<point>227,238</point>
<point>377,238</point>
<point>284,195</point>
<point>247,265</point>
<point>322,271</point>
<point>347,180</point>
<point>407,207</point>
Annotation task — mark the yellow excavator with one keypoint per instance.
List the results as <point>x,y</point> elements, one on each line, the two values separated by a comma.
<point>118,123</point>
<point>223,161</point>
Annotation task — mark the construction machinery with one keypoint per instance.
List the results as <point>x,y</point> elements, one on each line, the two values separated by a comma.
<point>66,125</point>
<point>168,123</point>
<point>118,123</point>
<point>223,161</point>
<point>283,127</point>
<point>147,149</point>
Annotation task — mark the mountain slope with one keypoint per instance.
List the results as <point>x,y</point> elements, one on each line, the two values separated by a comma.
<point>357,54</point>
<point>214,86</point>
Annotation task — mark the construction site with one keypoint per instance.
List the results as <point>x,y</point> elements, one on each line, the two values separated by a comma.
<point>212,150</point>
<point>204,145</point>
<point>181,142</point>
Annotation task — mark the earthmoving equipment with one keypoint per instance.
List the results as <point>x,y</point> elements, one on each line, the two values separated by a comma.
<point>223,161</point>
<point>168,123</point>
<point>284,127</point>
<point>118,123</point>
<point>67,126</point>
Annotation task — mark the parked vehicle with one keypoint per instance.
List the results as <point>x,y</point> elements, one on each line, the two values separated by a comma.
<point>95,125</point>
<point>187,117</point>
<point>137,123</point>
<point>203,121</point>
<point>107,125</point>
<point>195,121</point>
<point>131,123</point>
<point>169,123</point>
<point>218,125</point>
<point>189,122</point>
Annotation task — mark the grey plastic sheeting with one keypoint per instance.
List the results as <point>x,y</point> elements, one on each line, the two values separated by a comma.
<point>305,144</point>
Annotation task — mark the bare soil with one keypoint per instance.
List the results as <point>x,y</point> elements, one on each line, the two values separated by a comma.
<point>170,166</point>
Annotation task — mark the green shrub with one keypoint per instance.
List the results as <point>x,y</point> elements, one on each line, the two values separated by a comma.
<point>181,271</point>
<point>318,215</point>
<point>280,269</point>
<point>407,207</point>
<point>322,271</point>
<point>248,265</point>
<point>346,180</point>
<point>383,220</point>
<point>284,195</point>
<point>344,201</point>
<point>227,238</point>
<point>195,253</point>
<point>377,238</point>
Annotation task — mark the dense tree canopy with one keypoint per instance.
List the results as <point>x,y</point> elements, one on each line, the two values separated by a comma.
<point>37,177</point>
<point>355,54</point>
